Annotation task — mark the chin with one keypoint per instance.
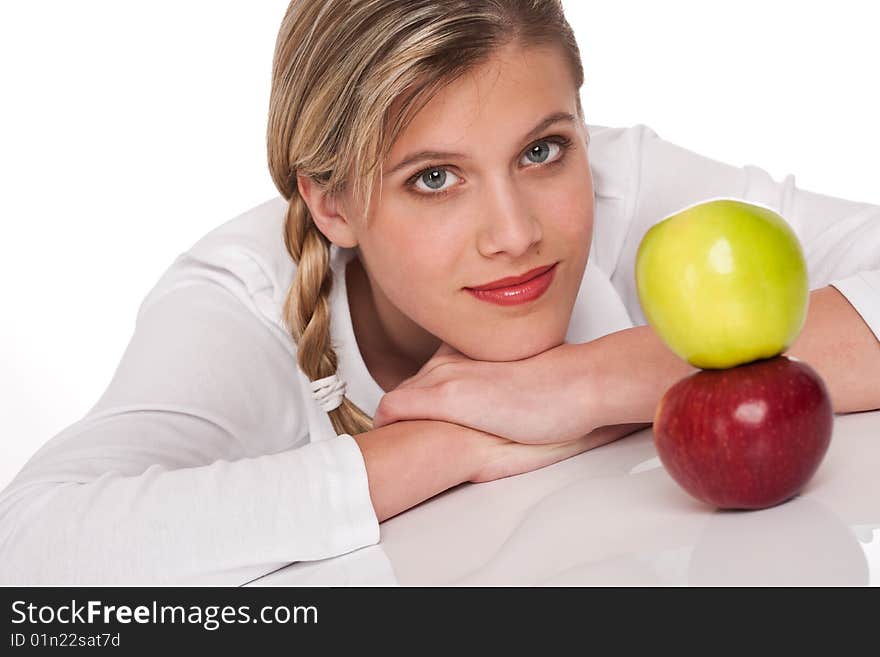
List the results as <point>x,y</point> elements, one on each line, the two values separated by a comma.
<point>513,347</point>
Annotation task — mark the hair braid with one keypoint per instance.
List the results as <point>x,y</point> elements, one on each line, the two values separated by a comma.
<point>306,310</point>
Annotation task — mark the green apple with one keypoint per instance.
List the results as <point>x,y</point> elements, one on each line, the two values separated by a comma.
<point>723,282</point>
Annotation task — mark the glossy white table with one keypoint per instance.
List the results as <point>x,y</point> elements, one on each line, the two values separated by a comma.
<point>613,516</point>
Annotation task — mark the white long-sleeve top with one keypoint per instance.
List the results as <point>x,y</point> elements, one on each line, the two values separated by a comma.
<point>207,459</point>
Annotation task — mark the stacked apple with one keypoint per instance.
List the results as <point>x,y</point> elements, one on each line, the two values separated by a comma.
<point>724,284</point>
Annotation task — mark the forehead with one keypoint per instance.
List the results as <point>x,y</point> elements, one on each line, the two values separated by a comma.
<point>500,99</point>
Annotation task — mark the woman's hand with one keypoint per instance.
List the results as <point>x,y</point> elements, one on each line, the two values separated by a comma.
<point>505,458</point>
<point>541,399</point>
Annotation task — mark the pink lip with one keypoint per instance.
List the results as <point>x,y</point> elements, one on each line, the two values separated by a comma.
<point>513,280</point>
<point>520,292</point>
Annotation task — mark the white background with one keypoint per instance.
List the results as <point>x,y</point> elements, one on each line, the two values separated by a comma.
<point>130,129</point>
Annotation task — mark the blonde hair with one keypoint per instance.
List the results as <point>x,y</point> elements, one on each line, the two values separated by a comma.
<point>338,67</point>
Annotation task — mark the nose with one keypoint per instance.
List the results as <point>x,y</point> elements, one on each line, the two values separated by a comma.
<point>508,224</point>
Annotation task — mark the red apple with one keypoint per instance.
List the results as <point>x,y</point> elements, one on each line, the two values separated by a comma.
<point>746,437</point>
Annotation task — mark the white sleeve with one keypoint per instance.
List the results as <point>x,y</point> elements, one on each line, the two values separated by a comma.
<point>195,467</point>
<point>840,238</point>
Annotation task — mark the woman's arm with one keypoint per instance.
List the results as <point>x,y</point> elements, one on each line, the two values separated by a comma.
<point>627,372</point>
<point>408,462</point>
<point>196,466</point>
<point>840,237</point>
<point>504,458</point>
<point>841,243</point>
<point>840,346</point>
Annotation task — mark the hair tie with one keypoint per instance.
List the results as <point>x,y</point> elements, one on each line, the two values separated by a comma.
<point>328,392</point>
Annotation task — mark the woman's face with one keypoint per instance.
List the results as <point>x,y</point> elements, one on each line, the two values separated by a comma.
<point>517,195</point>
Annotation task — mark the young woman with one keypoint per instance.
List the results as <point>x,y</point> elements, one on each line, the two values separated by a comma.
<point>328,359</point>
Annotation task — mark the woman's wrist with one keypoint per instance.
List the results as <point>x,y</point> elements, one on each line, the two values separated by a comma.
<point>410,461</point>
<point>626,374</point>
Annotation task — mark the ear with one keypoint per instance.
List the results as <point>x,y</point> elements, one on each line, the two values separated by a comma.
<point>328,212</point>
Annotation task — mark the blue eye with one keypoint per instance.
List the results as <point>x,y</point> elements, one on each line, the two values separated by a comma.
<point>434,177</point>
<point>542,150</point>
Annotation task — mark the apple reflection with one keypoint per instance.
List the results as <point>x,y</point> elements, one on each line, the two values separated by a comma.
<point>800,543</point>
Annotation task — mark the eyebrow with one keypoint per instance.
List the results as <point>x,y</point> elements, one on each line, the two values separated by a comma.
<point>547,121</point>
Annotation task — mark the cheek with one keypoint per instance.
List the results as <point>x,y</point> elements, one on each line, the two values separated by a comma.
<point>416,256</point>
<point>419,273</point>
<point>580,204</point>
<point>416,231</point>
<point>569,209</point>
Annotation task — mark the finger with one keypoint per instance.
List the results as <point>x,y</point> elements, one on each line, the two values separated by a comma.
<point>426,376</point>
<point>379,418</point>
<point>445,350</point>
<point>418,380</point>
<point>444,354</point>
<point>410,404</point>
